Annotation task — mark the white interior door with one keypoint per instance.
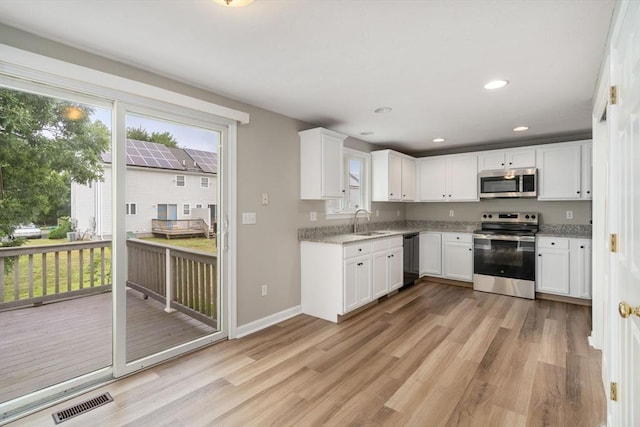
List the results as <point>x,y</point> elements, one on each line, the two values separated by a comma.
<point>625,216</point>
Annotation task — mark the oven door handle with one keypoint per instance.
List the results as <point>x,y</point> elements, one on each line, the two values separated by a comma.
<point>508,238</point>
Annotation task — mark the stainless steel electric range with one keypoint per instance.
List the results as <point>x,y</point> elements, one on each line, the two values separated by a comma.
<point>504,260</point>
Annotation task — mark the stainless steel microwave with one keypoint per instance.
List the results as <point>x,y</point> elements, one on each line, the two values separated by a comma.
<point>508,183</point>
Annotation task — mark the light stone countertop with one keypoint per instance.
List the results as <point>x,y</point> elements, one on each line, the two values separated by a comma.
<point>343,239</point>
<point>564,235</point>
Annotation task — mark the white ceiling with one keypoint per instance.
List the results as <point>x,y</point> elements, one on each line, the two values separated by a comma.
<point>332,62</point>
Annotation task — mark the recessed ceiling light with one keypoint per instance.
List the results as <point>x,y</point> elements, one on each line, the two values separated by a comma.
<point>496,84</point>
<point>382,110</point>
<point>438,140</point>
<point>234,3</point>
<point>520,128</point>
<point>367,133</point>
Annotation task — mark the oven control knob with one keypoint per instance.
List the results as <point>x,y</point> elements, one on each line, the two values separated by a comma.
<point>526,216</point>
<point>533,217</point>
<point>490,216</point>
<point>484,216</point>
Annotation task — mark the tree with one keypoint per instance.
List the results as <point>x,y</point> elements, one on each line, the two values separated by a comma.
<point>164,138</point>
<point>45,143</point>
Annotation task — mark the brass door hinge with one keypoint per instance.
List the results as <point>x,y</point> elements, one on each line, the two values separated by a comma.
<point>613,395</point>
<point>613,95</point>
<point>613,243</point>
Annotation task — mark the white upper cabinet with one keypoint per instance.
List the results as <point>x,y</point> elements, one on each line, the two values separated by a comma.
<point>321,163</point>
<point>448,178</point>
<point>564,171</point>
<point>507,159</point>
<point>393,176</point>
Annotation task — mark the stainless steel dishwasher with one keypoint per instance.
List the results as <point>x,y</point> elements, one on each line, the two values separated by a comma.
<point>411,255</point>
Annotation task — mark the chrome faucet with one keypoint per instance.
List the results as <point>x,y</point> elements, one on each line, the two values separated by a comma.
<point>355,218</point>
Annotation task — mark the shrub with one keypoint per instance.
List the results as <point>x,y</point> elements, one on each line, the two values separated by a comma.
<point>60,232</point>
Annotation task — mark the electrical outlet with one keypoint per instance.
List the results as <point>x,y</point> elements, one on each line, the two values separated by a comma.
<point>264,290</point>
<point>451,212</point>
<point>313,216</point>
<point>569,214</point>
<point>265,199</point>
<point>377,212</point>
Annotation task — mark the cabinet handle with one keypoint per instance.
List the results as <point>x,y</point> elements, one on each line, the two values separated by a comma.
<point>443,195</point>
<point>539,254</point>
<point>578,192</point>
<point>588,192</point>
<point>360,249</point>
<point>553,243</point>
<point>510,163</point>
<point>343,191</point>
<point>581,247</point>
<point>469,248</point>
<point>360,264</point>
<point>449,195</point>
<point>458,237</point>
<point>501,164</point>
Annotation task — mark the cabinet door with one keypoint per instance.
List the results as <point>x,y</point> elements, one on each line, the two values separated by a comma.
<point>395,268</point>
<point>332,167</point>
<point>493,160</point>
<point>462,178</point>
<point>357,282</point>
<point>395,177</point>
<point>430,254</point>
<point>408,179</point>
<point>552,275</point>
<point>580,274</point>
<point>559,173</point>
<point>432,178</point>
<point>458,261</point>
<point>586,172</point>
<point>380,274</point>
<point>520,159</point>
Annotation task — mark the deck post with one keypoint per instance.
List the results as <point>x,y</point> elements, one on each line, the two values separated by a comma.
<point>167,279</point>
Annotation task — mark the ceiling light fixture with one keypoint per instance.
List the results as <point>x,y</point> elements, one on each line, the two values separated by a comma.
<point>438,140</point>
<point>234,3</point>
<point>382,110</point>
<point>520,128</point>
<point>496,84</point>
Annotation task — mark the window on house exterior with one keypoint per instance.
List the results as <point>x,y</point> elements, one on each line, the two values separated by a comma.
<point>131,208</point>
<point>198,206</point>
<point>186,209</point>
<point>357,194</point>
<point>180,181</point>
<point>204,182</point>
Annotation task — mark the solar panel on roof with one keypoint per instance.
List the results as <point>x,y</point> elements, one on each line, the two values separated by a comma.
<point>149,154</point>
<point>206,160</point>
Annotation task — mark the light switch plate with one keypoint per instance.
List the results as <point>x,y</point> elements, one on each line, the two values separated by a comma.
<point>265,199</point>
<point>313,216</point>
<point>248,218</point>
<point>569,214</point>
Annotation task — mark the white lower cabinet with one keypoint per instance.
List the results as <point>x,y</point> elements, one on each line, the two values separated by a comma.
<point>458,256</point>
<point>448,255</point>
<point>357,283</point>
<point>563,266</point>
<point>337,279</point>
<point>430,254</point>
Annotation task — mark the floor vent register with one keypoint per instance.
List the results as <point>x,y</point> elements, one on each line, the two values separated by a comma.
<point>81,408</point>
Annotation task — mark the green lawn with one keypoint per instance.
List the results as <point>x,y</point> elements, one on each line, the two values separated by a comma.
<point>202,244</point>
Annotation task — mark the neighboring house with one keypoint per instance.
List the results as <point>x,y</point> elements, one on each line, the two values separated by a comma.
<point>187,177</point>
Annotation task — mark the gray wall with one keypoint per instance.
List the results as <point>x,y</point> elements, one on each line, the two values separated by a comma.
<point>551,212</point>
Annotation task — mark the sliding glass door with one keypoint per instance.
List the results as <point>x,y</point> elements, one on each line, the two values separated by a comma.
<point>109,231</point>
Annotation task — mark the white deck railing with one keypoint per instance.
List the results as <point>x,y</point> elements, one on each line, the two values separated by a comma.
<point>37,274</point>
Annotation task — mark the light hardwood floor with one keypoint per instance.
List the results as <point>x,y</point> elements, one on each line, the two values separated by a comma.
<point>433,355</point>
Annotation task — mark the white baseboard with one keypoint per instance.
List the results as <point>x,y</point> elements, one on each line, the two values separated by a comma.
<point>265,322</point>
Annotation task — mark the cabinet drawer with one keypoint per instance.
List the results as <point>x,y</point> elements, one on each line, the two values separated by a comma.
<point>457,237</point>
<point>358,249</point>
<point>553,243</point>
<point>387,243</point>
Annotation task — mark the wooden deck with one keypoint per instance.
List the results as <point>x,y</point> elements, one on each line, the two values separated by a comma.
<point>41,346</point>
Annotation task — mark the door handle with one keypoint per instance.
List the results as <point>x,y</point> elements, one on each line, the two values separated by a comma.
<point>626,310</point>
